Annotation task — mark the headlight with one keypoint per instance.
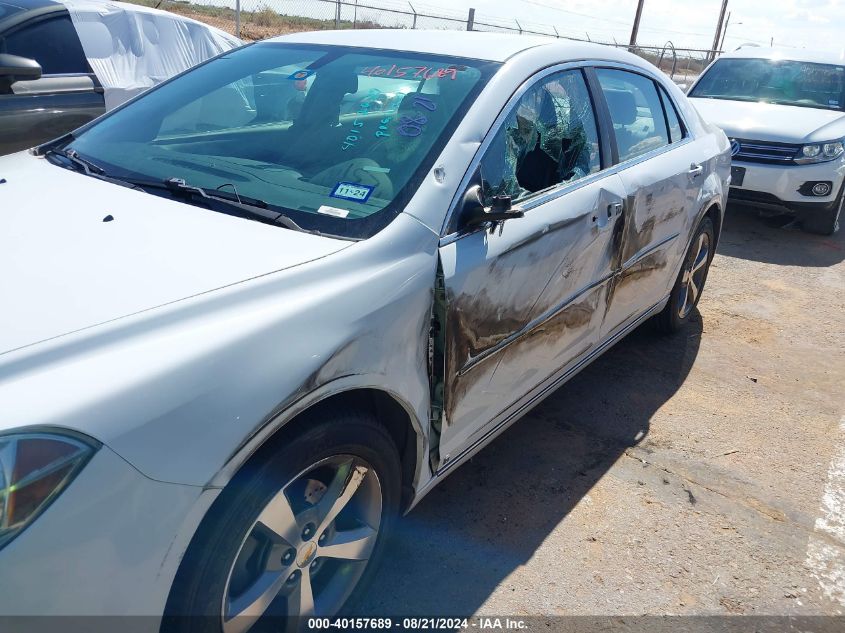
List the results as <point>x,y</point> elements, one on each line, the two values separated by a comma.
<point>34,469</point>
<point>820,152</point>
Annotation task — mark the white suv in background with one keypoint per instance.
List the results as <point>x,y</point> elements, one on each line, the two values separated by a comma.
<point>784,112</point>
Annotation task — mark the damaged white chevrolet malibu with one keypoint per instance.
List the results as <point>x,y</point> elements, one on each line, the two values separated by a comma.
<point>255,314</point>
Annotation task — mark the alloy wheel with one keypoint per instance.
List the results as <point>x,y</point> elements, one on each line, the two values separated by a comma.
<point>692,280</point>
<point>308,547</point>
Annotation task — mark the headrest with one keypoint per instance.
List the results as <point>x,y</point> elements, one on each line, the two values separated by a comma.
<point>623,106</point>
<point>322,103</point>
<point>334,82</point>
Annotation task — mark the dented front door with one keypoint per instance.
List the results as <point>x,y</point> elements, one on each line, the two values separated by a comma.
<point>522,305</point>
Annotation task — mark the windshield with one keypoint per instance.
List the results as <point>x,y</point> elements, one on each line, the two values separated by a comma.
<point>336,138</point>
<point>775,81</point>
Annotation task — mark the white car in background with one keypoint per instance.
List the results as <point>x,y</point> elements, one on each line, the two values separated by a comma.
<point>784,111</point>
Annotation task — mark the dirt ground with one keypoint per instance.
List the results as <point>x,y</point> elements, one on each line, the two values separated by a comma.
<point>698,474</point>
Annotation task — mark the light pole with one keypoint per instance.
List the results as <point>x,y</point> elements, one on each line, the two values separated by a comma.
<point>725,32</point>
<point>636,28</point>
<point>712,54</point>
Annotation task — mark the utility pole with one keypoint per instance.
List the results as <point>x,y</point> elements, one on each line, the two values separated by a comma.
<point>635,30</point>
<point>715,47</point>
<point>725,32</point>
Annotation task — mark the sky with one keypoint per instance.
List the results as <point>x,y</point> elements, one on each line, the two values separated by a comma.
<point>817,24</point>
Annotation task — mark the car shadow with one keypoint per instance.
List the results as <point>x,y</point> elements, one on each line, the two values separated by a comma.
<point>776,240</point>
<point>488,518</point>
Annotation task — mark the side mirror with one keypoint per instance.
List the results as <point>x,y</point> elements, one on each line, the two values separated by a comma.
<point>473,211</point>
<point>14,68</point>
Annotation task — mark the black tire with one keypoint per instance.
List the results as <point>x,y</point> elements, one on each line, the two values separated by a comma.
<point>678,311</point>
<point>824,221</point>
<point>196,599</point>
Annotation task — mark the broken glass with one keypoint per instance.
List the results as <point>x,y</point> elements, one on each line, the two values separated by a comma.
<point>548,138</point>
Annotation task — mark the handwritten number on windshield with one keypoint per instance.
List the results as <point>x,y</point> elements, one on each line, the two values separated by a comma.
<point>414,124</point>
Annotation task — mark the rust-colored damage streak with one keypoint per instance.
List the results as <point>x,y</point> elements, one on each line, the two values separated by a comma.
<point>548,347</point>
<point>336,366</point>
<point>644,268</point>
<point>554,226</point>
<point>473,326</point>
<point>522,283</point>
<point>515,367</point>
<point>510,286</point>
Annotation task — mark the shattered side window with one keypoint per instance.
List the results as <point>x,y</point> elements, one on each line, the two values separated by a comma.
<point>549,138</point>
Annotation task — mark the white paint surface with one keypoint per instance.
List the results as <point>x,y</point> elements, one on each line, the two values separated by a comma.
<point>826,560</point>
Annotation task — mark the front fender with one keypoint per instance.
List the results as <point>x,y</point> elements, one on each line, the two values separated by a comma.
<point>180,391</point>
<point>293,407</point>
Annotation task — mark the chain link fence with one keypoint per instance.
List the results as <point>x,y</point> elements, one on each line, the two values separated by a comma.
<point>260,19</point>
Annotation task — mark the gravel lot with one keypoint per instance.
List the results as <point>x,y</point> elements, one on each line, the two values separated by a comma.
<point>699,474</point>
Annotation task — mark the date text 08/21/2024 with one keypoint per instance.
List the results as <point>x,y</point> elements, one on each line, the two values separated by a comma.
<point>417,623</point>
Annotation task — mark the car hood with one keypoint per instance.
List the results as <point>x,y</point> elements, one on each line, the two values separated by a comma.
<point>65,267</point>
<point>772,122</point>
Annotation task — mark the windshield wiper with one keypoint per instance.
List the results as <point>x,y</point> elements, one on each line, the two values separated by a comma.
<point>251,208</point>
<point>88,168</point>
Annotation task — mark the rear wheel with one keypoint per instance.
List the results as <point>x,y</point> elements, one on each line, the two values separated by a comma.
<point>824,221</point>
<point>690,283</point>
<point>298,535</point>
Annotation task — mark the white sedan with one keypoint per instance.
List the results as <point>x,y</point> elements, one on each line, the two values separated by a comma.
<point>784,112</point>
<point>233,350</point>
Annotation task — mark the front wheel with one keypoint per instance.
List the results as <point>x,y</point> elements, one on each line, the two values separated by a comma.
<point>690,282</point>
<point>824,221</point>
<point>296,535</point>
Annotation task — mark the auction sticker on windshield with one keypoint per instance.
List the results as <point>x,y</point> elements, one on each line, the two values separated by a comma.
<point>352,191</point>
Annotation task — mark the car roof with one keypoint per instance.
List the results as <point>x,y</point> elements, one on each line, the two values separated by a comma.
<point>790,54</point>
<point>494,47</point>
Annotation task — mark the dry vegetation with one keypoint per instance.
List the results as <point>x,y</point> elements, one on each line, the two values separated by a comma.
<point>255,25</point>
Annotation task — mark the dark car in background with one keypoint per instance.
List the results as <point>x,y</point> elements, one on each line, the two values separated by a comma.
<point>62,65</point>
<point>63,95</point>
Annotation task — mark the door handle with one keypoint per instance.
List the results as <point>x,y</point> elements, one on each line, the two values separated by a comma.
<point>614,209</point>
<point>695,170</point>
